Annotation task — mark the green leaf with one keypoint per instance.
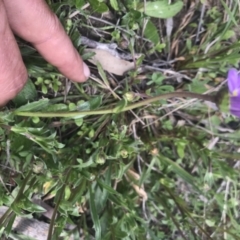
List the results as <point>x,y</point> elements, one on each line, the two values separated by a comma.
<point>161,9</point>
<point>197,85</point>
<point>94,214</point>
<point>78,121</point>
<point>181,145</point>
<point>31,207</point>
<point>57,107</point>
<point>210,222</point>
<point>84,164</point>
<point>120,105</point>
<point>83,106</point>
<point>79,3</point>
<point>34,106</point>
<point>95,102</point>
<point>114,4</point>
<point>102,74</point>
<point>98,6</point>
<point>151,32</point>
<point>223,100</point>
<point>44,89</point>
<point>18,236</point>
<point>179,171</point>
<point>108,188</point>
<point>28,94</point>
<point>57,6</point>
<point>228,34</point>
<point>230,12</point>
<point>85,55</point>
<point>10,224</point>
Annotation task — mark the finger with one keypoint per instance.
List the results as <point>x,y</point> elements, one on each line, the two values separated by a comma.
<point>13,74</point>
<point>34,22</point>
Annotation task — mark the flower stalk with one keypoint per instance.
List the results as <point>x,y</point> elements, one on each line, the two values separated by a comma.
<point>211,98</point>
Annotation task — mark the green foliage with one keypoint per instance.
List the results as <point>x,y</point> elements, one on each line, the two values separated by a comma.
<point>114,4</point>
<point>79,3</point>
<point>166,169</point>
<point>28,94</point>
<point>98,6</point>
<point>151,32</point>
<point>161,9</point>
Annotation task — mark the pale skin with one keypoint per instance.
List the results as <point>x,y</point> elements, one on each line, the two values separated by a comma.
<point>33,21</point>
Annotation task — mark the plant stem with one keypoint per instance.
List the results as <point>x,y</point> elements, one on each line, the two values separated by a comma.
<point>113,110</point>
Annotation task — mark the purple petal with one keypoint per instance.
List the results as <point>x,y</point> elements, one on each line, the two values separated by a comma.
<point>235,106</point>
<point>235,113</point>
<point>235,103</point>
<point>233,80</point>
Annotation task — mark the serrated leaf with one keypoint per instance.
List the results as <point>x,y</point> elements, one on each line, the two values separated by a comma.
<point>34,106</point>
<point>161,9</point>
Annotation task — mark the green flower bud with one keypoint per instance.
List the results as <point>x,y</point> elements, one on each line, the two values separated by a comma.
<point>100,159</point>
<point>131,97</point>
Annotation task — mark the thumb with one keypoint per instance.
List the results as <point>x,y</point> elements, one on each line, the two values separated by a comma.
<point>13,74</point>
<point>34,22</point>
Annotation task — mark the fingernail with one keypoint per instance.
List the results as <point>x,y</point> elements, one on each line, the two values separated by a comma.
<point>86,70</point>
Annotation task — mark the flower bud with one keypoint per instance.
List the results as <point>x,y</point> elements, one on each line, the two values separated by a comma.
<point>131,97</point>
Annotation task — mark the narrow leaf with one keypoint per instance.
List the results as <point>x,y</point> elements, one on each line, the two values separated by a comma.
<point>94,214</point>
<point>179,171</point>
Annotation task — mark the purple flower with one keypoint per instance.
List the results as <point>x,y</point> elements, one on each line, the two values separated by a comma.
<point>234,91</point>
<point>234,82</point>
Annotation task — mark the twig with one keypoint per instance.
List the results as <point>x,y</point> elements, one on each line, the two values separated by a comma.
<point>8,146</point>
<point>225,207</point>
<point>200,23</point>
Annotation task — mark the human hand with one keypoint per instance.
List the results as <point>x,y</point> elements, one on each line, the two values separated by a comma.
<point>34,22</point>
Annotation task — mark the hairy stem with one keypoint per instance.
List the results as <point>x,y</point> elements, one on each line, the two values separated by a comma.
<point>113,110</point>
